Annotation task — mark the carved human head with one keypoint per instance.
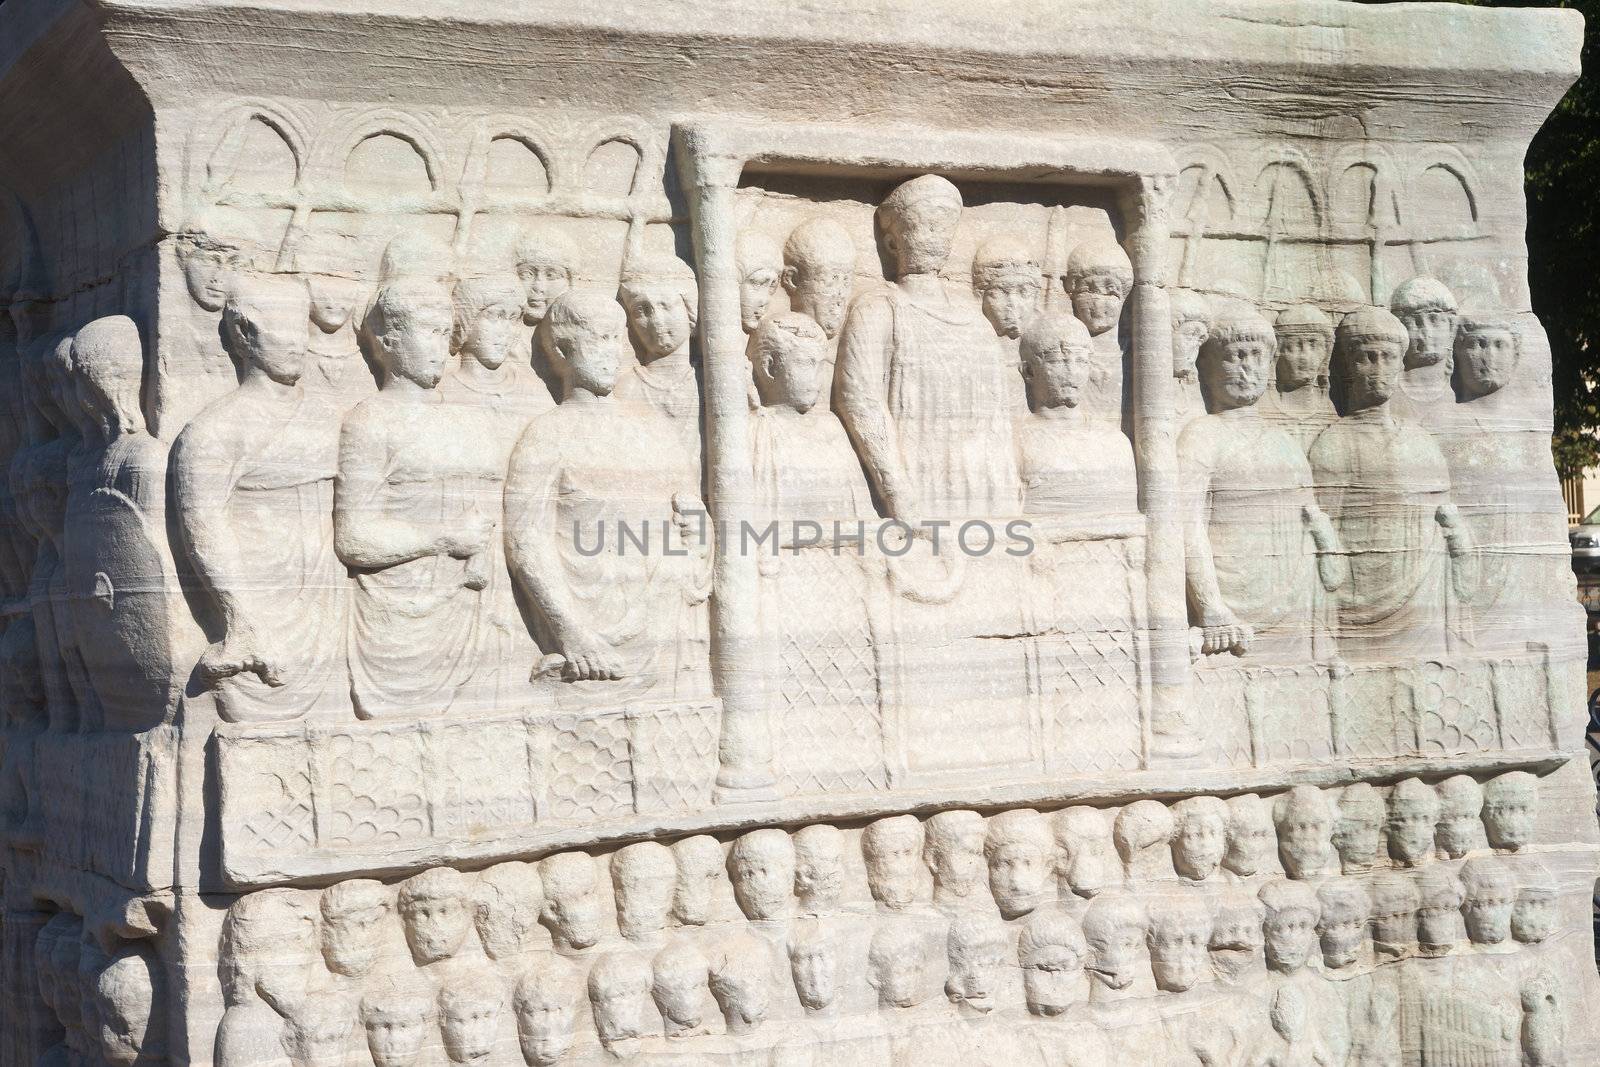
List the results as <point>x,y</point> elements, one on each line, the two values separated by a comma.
<point>409,325</point>
<point>1236,938</point>
<point>1305,345</point>
<point>1427,310</point>
<point>1114,926</point>
<point>1289,1014</point>
<point>1099,278</point>
<point>574,910</point>
<point>487,313</point>
<point>269,945</point>
<point>1057,360</point>
<point>643,880</point>
<point>1142,833</point>
<point>355,915</point>
<point>1088,862</point>
<point>209,268</point>
<point>130,1008</point>
<point>1191,325</point>
<point>1304,822</point>
<point>506,903</point>
<point>701,871</point>
<point>760,266</point>
<point>619,990</point>
<point>1394,915</point>
<point>814,966</point>
<point>436,911</point>
<point>546,1006</point>
<point>469,1015</point>
<point>316,1030</point>
<point>1179,938</point>
<point>333,300</point>
<point>953,850</point>
<point>108,371</point>
<point>1439,899</point>
<point>679,974</point>
<point>1200,836</point>
<point>892,849</point>
<point>1358,828</point>
<point>1007,277</point>
<point>581,336</point>
<point>397,1017</point>
<point>761,865</point>
<point>1533,918</point>
<point>1460,828</point>
<point>1342,926</point>
<point>819,265</point>
<point>818,866</point>
<point>1020,852</point>
<point>1235,362</point>
<point>976,948</point>
<point>1289,928</point>
<point>265,324</point>
<point>1368,356</point>
<point>662,302</point>
<point>1489,893</point>
<point>547,266</point>
<point>1413,822</point>
<point>787,351</point>
<point>1051,951</point>
<point>741,982</point>
<point>897,963</point>
<point>1510,809</point>
<point>918,222</point>
<point>1487,350</point>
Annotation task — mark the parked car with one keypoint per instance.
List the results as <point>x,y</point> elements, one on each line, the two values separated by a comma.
<point>1585,541</point>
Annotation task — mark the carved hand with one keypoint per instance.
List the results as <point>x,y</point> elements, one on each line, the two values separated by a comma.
<point>1231,636</point>
<point>241,652</point>
<point>1333,569</point>
<point>467,542</point>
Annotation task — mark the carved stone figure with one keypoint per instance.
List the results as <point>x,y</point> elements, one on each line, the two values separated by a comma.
<point>760,267</point>
<point>547,265</point>
<point>608,614</point>
<point>1533,917</point>
<point>977,946</point>
<point>253,480</point>
<point>469,1012</point>
<point>892,849</point>
<point>819,263</point>
<point>678,986</point>
<point>1191,325</point>
<point>1428,311</point>
<point>1304,825</point>
<point>1394,916</point>
<point>131,1009</point>
<point>916,358</point>
<point>1008,279</point>
<point>355,914</point>
<point>1051,951</point>
<point>814,968</point>
<point>761,865</point>
<point>1098,279</point>
<point>619,992</point>
<point>1020,852</point>
<point>660,298</point>
<point>1460,827</point>
<point>317,1032</point>
<point>1413,822</point>
<point>1344,910</point>
<point>1385,484</point>
<point>1252,839</point>
<point>1298,403</point>
<point>1114,927</point>
<point>337,373</point>
<point>414,516</point>
<point>643,880</point>
<point>1199,838</point>
<point>1143,833</point>
<point>1358,830</point>
<point>701,871</point>
<point>436,911</point>
<point>1489,893</point>
<point>1439,899</point>
<point>397,1018</point>
<point>897,964</point>
<point>1178,939</point>
<point>265,961</point>
<point>1089,862</point>
<point>1257,545</point>
<point>1544,1029</point>
<point>741,983</point>
<point>506,902</point>
<point>1510,809</point>
<point>953,849</point>
<point>546,1003</point>
<point>574,910</point>
<point>1289,929</point>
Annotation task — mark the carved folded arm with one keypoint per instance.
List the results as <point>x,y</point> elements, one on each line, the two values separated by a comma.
<point>1463,557</point>
<point>1333,567</point>
<point>365,534</point>
<point>1220,630</point>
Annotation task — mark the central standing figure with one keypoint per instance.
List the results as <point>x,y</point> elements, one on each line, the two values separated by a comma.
<point>922,380</point>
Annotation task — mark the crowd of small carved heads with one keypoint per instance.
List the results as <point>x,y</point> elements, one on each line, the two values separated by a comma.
<point>1035,929</point>
<point>424,556</point>
<point>103,1003</point>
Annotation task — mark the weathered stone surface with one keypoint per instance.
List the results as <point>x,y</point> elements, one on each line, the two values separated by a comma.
<point>827,534</point>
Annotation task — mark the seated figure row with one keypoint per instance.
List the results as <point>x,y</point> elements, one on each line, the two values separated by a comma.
<point>1155,953</point>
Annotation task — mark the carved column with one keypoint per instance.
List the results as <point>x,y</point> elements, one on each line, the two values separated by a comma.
<point>745,750</point>
<point>1173,729</point>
